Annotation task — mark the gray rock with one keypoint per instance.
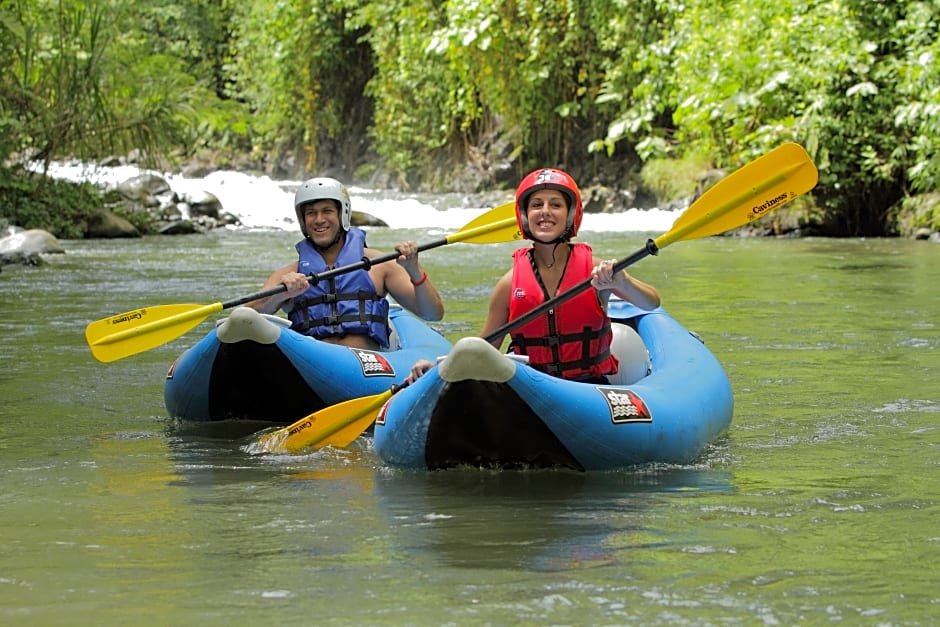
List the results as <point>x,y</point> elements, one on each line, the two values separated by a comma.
<point>20,259</point>
<point>32,241</point>
<point>179,227</point>
<point>203,203</point>
<point>359,218</point>
<point>144,185</point>
<point>24,247</point>
<point>106,224</point>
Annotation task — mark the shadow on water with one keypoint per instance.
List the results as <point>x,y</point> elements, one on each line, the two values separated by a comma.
<point>531,520</point>
<point>227,430</point>
<point>466,518</point>
<point>215,453</point>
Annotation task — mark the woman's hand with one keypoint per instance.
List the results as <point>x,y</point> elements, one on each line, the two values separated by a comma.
<point>603,276</point>
<point>418,369</point>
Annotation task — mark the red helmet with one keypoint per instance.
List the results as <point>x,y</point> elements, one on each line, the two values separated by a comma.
<point>549,178</point>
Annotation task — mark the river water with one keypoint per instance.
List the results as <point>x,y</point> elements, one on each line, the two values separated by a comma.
<point>819,505</point>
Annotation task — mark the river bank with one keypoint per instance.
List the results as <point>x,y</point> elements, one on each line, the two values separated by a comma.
<point>131,201</point>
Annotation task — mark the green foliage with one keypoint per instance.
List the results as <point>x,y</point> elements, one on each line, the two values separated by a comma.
<point>671,179</point>
<point>413,91</point>
<point>301,69</point>
<point>452,78</point>
<point>187,55</point>
<point>855,82</point>
<point>918,212</point>
<point>194,32</point>
<point>637,94</point>
<point>82,84</point>
<point>917,112</point>
<point>429,90</point>
<point>34,201</point>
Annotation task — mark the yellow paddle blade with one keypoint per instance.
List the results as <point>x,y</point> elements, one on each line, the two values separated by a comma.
<point>140,330</point>
<point>495,226</point>
<point>752,191</point>
<point>746,194</point>
<point>337,425</point>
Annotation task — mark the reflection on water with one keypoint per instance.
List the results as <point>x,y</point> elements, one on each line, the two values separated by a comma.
<point>529,520</point>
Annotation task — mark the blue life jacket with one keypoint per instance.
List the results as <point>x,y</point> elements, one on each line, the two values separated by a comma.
<point>345,304</point>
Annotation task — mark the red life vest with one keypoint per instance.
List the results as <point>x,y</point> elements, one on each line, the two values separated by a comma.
<point>571,341</point>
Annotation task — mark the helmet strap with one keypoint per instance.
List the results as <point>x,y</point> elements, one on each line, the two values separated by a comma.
<point>340,234</point>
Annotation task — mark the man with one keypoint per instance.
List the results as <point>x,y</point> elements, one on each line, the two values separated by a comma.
<point>349,309</point>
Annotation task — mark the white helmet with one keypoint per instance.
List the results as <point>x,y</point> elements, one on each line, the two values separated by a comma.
<point>320,189</point>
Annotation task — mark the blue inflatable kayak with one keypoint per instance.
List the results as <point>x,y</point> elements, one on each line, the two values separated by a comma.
<point>479,407</point>
<point>253,367</point>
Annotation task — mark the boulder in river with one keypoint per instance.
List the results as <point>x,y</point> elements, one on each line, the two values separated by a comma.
<point>25,246</point>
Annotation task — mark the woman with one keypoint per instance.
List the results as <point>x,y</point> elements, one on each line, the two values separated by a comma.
<point>572,340</point>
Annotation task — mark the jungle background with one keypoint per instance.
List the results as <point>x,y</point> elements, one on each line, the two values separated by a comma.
<point>459,95</point>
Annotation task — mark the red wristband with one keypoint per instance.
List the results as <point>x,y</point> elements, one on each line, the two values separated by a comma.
<point>424,277</point>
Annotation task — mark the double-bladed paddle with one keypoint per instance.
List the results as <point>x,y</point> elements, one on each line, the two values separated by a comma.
<point>337,426</point>
<point>748,193</point>
<point>140,330</point>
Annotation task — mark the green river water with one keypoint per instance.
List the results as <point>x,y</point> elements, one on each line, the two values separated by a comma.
<point>820,505</point>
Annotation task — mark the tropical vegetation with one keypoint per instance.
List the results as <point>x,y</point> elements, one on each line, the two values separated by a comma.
<point>458,94</point>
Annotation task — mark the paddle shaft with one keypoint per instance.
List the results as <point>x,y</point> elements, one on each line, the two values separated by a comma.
<point>366,263</point>
<point>703,219</point>
<point>313,278</point>
<point>650,249</point>
<point>135,331</point>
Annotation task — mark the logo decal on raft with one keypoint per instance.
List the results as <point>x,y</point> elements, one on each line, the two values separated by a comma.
<point>373,364</point>
<point>625,406</point>
<point>380,417</point>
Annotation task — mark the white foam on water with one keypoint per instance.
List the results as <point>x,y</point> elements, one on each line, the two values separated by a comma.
<point>260,202</point>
